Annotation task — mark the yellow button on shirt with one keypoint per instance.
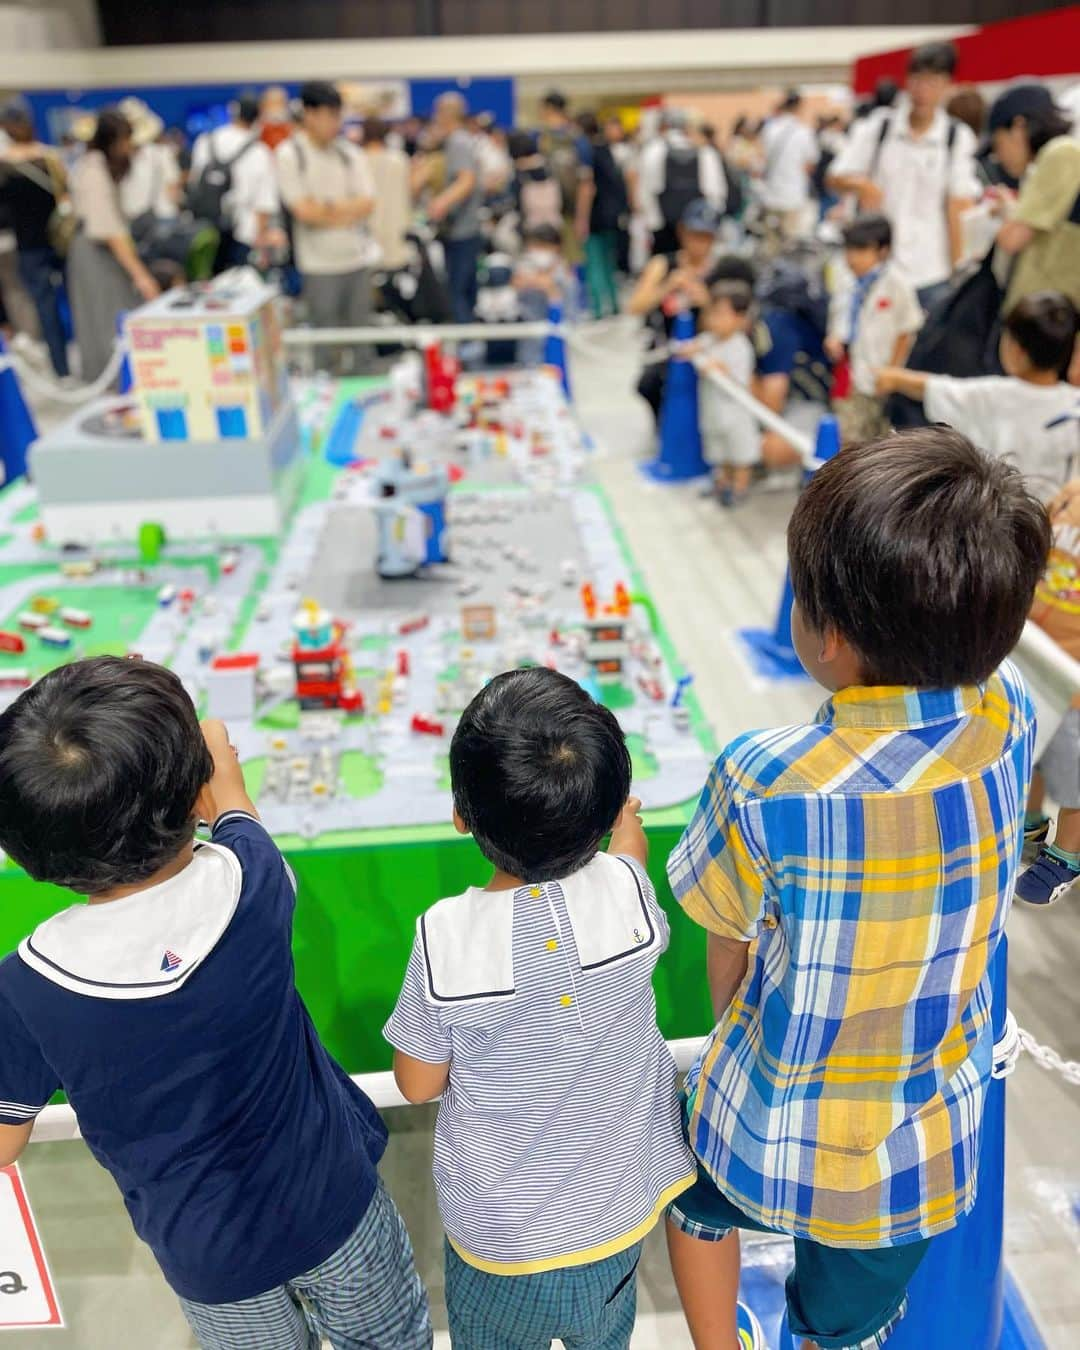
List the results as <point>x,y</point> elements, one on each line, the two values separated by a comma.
<point>552,945</point>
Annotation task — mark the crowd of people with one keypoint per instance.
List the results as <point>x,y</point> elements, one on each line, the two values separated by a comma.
<point>421,217</point>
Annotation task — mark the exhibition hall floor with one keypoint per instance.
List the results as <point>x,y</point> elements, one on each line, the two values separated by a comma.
<point>711,573</point>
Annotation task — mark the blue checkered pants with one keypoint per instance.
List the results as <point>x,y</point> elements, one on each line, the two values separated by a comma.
<point>590,1307</point>
<point>367,1296</point>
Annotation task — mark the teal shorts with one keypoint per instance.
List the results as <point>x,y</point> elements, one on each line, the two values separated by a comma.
<point>841,1300</point>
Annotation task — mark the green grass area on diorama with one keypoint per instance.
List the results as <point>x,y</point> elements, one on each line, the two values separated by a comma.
<point>119,615</point>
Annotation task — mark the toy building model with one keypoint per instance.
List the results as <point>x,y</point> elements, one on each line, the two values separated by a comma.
<point>206,442</point>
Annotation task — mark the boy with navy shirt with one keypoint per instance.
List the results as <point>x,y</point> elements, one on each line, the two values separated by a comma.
<point>528,1004</point>
<point>165,1007</point>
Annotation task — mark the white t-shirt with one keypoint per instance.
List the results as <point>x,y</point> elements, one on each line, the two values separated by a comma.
<point>148,185</point>
<point>917,176</point>
<point>731,433</point>
<point>890,309</point>
<point>791,151</point>
<point>1009,418</point>
<point>254,185</point>
<point>653,175</point>
<point>329,173</point>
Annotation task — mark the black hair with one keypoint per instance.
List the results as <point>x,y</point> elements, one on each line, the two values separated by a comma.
<point>101,762</point>
<point>542,233</point>
<point>521,144</point>
<point>871,231</point>
<point>885,92</point>
<point>933,58</point>
<point>923,553</point>
<point>1044,326</point>
<point>554,98</point>
<point>792,100</point>
<point>540,773</point>
<point>375,131</point>
<point>247,107</point>
<point>111,128</point>
<point>1046,126</point>
<point>589,124</point>
<point>735,291</point>
<point>733,268</point>
<point>320,94</point>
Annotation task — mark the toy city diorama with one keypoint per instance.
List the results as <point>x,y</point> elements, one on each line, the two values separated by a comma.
<point>443,531</point>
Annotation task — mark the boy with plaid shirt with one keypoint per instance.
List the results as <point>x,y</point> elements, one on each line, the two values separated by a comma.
<point>871,857</point>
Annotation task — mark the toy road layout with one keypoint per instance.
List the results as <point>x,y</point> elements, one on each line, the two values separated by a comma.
<point>340,678</point>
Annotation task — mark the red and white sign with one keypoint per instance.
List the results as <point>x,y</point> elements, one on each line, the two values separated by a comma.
<point>27,1296</point>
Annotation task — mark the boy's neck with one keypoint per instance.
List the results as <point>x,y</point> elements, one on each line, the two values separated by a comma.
<point>1044,377</point>
<point>171,869</point>
<point>503,881</point>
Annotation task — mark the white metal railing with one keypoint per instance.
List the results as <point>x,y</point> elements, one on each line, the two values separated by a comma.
<point>57,1123</point>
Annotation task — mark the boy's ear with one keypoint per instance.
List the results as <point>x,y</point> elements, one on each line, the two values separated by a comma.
<point>459,824</point>
<point>833,644</point>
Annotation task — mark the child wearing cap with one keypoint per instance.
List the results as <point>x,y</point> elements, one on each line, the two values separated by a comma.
<point>528,1004</point>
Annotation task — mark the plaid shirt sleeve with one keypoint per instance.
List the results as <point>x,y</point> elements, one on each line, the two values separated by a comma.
<point>715,871</point>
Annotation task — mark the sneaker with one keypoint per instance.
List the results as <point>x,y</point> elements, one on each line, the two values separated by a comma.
<point>1046,880</point>
<point>751,1337</point>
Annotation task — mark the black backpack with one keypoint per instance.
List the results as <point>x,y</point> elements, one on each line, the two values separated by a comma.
<point>960,337</point>
<point>206,194</point>
<point>735,204</point>
<point>682,182</point>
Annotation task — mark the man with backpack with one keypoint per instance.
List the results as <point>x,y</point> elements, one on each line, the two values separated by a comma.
<point>675,171</point>
<point>327,189</point>
<point>915,165</point>
<point>569,158</point>
<point>233,185</point>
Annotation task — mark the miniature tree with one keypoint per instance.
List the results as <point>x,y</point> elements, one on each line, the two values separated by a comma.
<point>151,542</point>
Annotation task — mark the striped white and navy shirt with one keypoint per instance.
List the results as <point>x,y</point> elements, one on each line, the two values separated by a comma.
<point>558,1140</point>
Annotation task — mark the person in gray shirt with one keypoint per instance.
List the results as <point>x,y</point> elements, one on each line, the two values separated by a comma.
<point>456,209</point>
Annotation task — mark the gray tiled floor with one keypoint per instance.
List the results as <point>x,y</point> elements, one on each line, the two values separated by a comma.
<point>711,573</point>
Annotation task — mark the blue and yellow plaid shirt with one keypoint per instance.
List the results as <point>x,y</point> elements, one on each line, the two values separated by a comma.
<point>872,858</point>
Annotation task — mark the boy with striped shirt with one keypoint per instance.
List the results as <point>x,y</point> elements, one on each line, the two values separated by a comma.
<point>528,1005</point>
<point>871,857</point>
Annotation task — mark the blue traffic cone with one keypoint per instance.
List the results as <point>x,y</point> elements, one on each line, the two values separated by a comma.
<point>827,441</point>
<point>123,380</point>
<point>771,650</point>
<point>17,429</point>
<point>555,349</point>
<point>680,454</point>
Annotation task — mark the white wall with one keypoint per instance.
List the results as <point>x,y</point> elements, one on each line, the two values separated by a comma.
<point>578,61</point>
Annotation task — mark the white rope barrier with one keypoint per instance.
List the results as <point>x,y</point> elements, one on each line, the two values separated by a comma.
<point>416,334</point>
<point>1056,669</point>
<point>797,439</point>
<point>50,389</point>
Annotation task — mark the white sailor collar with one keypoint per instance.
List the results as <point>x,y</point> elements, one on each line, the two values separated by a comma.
<point>147,944</point>
<point>467,941</point>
